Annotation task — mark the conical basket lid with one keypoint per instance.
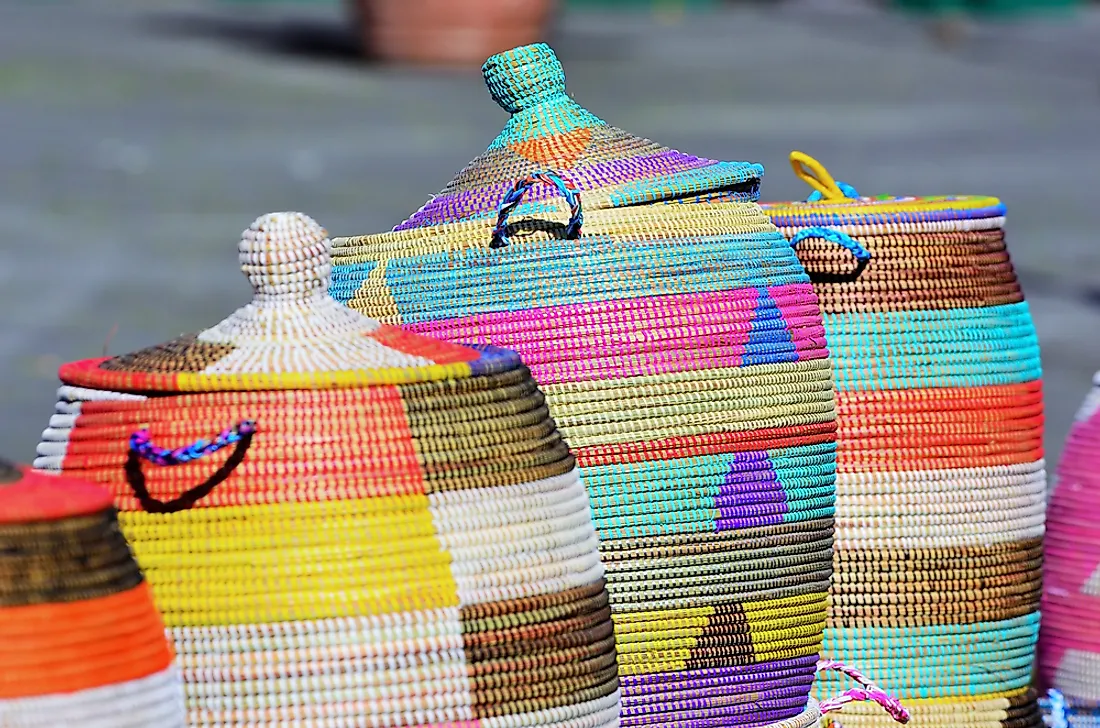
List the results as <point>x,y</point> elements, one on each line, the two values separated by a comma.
<point>292,335</point>
<point>79,634</point>
<point>550,131</point>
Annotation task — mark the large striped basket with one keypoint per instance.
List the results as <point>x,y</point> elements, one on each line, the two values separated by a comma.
<point>81,643</point>
<point>1069,643</point>
<point>940,475</point>
<point>682,354</point>
<point>388,530</point>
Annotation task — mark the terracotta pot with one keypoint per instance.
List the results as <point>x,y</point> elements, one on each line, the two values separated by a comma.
<point>450,32</point>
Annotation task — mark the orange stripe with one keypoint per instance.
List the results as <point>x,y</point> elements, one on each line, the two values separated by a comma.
<point>61,648</point>
<point>942,428</point>
<point>715,443</point>
<point>361,437</point>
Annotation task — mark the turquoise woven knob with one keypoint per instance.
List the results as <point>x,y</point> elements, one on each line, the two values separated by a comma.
<point>524,77</point>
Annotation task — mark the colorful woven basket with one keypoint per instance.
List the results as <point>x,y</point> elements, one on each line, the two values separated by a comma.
<point>940,475</point>
<point>1069,645</point>
<point>390,533</point>
<point>682,354</point>
<point>81,643</point>
<point>548,130</point>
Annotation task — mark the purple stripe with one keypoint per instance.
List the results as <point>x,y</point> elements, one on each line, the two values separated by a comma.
<point>459,205</point>
<point>775,670</point>
<point>752,490</point>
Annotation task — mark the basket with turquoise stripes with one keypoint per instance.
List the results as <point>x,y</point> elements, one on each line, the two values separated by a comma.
<point>940,474</point>
<point>682,354</point>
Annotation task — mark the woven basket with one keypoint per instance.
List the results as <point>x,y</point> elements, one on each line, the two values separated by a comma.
<point>80,641</point>
<point>940,475</point>
<point>682,354</point>
<point>548,130</point>
<point>390,533</point>
<point>1069,645</point>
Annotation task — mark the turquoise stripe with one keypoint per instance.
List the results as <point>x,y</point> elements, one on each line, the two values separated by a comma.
<point>688,182</point>
<point>550,118</point>
<point>599,268</point>
<point>664,497</point>
<point>968,659</point>
<point>965,347</point>
<point>346,280</point>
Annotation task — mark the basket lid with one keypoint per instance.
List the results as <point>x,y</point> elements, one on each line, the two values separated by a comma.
<point>834,203</point>
<point>27,496</point>
<point>291,336</point>
<point>550,131</point>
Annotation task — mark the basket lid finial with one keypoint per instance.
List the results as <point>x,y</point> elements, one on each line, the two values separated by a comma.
<point>286,256</point>
<point>524,77</point>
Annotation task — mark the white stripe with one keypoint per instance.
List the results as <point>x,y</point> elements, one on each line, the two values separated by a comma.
<point>516,541</point>
<point>155,701</point>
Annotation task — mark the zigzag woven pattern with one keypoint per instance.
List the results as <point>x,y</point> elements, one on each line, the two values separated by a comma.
<point>681,350</point>
<point>940,475</point>
<point>343,523</point>
<point>548,130</point>
<point>81,642</point>
<point>1069,643</point>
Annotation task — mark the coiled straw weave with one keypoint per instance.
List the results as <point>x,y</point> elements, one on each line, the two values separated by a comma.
<point>940,476</point>
<point>1069,643</point>
<point>80,641</point>
<point>682,354</point>
<point>388,530</point>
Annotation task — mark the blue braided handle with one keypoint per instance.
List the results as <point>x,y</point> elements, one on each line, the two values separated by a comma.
<point>515,196</point>
<point>141,444</point>
<point>1058,717</point>
<point>833,236</point>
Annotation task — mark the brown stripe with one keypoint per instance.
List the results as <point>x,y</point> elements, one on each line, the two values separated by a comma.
<point>183,354</point>
<point>795,537</point>
<point>484,432</point>
<point>540,652</point>
<point>916,271</point>
<point>65,561</point>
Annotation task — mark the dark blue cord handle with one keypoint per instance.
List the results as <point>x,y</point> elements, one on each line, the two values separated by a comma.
<point>512,200</point>
<point>142,445</point>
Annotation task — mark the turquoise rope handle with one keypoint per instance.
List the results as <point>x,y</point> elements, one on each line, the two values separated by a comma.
<point>833,236</point>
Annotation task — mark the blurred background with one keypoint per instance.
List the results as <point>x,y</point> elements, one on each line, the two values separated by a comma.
<point>138,138</point>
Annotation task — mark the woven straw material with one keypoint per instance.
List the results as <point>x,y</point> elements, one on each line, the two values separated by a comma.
<point>681,351</point>
<point>548,130</point>
<point>940,474</point>
<point>81,642</point>
<point>1069,647</point>
<point>404,542</point>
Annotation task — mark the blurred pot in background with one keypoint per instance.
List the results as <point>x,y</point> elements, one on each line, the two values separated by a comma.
<point>449,32</point>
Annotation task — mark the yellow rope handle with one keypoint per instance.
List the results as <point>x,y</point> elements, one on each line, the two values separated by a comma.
<point>813,173</point>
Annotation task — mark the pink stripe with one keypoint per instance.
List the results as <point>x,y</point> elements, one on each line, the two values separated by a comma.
<point>640,336</point>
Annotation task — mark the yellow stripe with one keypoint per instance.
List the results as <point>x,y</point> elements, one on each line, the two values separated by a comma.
<point>293,561</point>
<point>198,382</point>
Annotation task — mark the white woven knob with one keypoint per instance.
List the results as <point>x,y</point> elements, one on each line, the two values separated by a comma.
<point>286,255</point>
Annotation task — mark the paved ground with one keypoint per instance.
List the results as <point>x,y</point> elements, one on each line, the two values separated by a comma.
<point>138,139</point>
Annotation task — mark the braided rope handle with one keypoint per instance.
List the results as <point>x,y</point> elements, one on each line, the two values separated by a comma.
<point>142,444</point>
<point>842,239</point>
<point>514,196</point>
<point>143,448</point>
<point>867,691</point>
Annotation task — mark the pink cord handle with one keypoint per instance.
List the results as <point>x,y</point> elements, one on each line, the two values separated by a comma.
<point>868,691</point>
